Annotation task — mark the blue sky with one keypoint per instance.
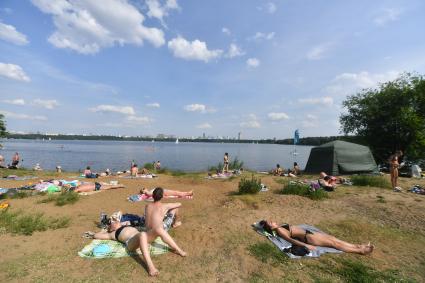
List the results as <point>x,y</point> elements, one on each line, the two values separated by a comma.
<point>144,67</point>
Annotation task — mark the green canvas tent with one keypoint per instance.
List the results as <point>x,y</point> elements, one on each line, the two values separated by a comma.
<point>339,157</point>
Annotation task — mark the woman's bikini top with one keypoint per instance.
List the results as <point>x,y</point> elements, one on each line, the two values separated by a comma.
<point>118,232</point>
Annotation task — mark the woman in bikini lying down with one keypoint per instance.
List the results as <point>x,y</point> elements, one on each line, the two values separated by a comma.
<point>167,193</point>
<point>309,239</point>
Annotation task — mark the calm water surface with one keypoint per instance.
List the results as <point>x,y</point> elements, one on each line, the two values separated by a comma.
<point>75,155</point>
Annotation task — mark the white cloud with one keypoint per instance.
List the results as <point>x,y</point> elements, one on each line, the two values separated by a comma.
<point>326,101</point>
<point>195,108</point>
<point>386,16</point>
<point>271,7</point>
<point>348,83</point>
<point>153,105</point>
<point>226,31</point>
<point>234,51</point>
<point>139,120</point>
<point>88,26</point>
<point>201,108</point>
<point>262,36</point>
<point>18,101</point>
<point>156,10</point>
<point>13,71</point>
<point>278,116</point>
<point>204,126</point>
<point>48,104</point>
<point>195,50</point>
<point>318,52</point>
<point>311,117</point>
<point>10,34</point>
<point>126,110</point>
<point>253,62</point>
<point>268,7</point>
<point>252,122</point>
<point>23,116</point>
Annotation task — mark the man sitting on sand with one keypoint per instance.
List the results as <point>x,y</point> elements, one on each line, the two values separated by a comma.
<point>156,224</point>
<point>278,171</point>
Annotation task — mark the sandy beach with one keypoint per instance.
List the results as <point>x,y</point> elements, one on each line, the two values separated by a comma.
<point>217,235</point>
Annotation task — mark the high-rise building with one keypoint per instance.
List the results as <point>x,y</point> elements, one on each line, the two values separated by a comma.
<point>239,136</point>
<point>203,135</point>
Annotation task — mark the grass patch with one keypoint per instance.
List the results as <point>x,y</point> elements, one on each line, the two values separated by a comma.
<point>303,190</point>
<point>358,272</point>
<point>178,173</point>
<point>371,181</point>
<point>62,199</point>
<point>267,253</point>
<point>249,186</point>
<point>380,199</point>
<point>22,224</point>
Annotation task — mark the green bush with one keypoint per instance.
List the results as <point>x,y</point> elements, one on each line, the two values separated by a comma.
<point>303,190</point>
<point>371,181</point>
<point>62,198</point>
<point>149,166</point>
<point>249,186</point>
<point>19,223</point>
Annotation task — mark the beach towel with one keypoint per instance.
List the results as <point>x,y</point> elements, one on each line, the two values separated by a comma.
<point>220,176</point>
<point>140,197</point>
<point>282,244</point>
<point>144,176</point>
<point>114,249</point>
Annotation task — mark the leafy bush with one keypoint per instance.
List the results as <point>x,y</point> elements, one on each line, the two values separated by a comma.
<point>62,198</point>
<point>19,223</point>
<point>371,181</point>
<point>266,252</point>
<point>303,190</point>
<point>149,166</point>
<point>249,186</point>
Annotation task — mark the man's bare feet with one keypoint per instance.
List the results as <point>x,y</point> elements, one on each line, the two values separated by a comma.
<point>176,224</point>
<point>153,272</point>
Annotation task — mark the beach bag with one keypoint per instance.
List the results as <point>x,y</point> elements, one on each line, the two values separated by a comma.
<point>297,250</point>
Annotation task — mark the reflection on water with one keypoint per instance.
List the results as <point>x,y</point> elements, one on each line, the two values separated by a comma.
<point>117,155</point>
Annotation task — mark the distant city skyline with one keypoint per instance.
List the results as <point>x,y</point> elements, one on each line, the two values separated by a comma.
<point>262,68</point>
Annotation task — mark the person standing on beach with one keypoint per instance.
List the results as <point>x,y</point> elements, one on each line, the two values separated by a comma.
<point>226,163</point>
<point>2,162</point>
<point>394,165</point>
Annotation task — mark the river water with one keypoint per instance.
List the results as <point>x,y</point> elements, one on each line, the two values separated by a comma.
<point>75,155</point>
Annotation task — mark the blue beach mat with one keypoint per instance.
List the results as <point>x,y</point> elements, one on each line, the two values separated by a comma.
<point>114,249</point>
<point>282,244</point>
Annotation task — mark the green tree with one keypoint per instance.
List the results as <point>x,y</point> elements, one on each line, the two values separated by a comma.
<point>389,118</point>
<point>2,126</point>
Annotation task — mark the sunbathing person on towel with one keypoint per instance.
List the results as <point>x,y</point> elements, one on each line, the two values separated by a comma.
<point>309,239</point>
<point>89,187</point>
<point>167,193</point>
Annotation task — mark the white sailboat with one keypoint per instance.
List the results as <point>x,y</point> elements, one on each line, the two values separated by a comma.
<point>177,141</point>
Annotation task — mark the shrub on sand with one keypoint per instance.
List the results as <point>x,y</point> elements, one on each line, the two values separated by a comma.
<point>371,181</point>
<point>62,198</point>
<point>249,186</point>
<point>19,223</point>
<point>149,166</point>
<point>303,190</point>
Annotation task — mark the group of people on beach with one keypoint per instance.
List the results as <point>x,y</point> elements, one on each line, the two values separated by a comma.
<point>15,162</point>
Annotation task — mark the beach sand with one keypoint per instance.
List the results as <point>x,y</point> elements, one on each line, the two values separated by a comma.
<point>217,235</point>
